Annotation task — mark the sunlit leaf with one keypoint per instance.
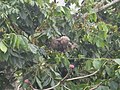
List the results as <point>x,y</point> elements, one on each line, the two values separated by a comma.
<point>38,82</point>
<point>117,61</point>
<point>33,48</point>
<point>97,64</point>
<point>3,47</point>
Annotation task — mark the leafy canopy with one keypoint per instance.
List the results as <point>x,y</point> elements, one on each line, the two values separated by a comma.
<point>27,27</point>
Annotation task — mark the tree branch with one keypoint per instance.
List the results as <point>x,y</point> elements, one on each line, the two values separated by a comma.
<point>81,77</point>
<point>103,7</point>
<point>107,5</point>
<point>71,79</point>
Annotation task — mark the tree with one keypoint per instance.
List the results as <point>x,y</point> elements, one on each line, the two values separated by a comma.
<point>87,58</point>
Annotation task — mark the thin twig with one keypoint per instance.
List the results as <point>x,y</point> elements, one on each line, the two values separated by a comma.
<point>66,87</point>
<point>91,58</point>
<point>96,86</point>
<point>58,83</point>
<point>18,88</point>
<point>53,86</point>
<point>81,77</point>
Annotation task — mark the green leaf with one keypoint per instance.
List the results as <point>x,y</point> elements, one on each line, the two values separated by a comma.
<point>97,64</point>
<point>109,70</point>
<point>47,81</point>
<point>57,75</point>
<point>100,43</point>
<point>67,12</point>
<point>40,2</point>
<point>113,85</point>
<point>93,17</point>
<point>88,65</point>
<point>11,38</point>
<point>102,26</point>
<point>56,30</point>
<point>18,43</point>
<point>33,48</point>
<point>62,9</point>
<point>117,61</point>
<point>3,47</point>
<point>38,82</point>
<point>52,83</point>
<point>103,88</point>
<point>102,34</point>
<point>23,14</point>
<point>4,56</point>
<point>32,3</point>
<point>15,38</point>
<point>16,61</point>
<point>21,1</point>
<point>66,61</point>
<point>22,42</point>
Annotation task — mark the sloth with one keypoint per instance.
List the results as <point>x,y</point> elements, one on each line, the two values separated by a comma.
<point>62,44</point>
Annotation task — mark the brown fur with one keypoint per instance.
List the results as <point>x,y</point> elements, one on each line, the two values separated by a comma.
<point>61,44</point>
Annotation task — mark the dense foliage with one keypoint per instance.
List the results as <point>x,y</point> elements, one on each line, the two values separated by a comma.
<point>27,28</point>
